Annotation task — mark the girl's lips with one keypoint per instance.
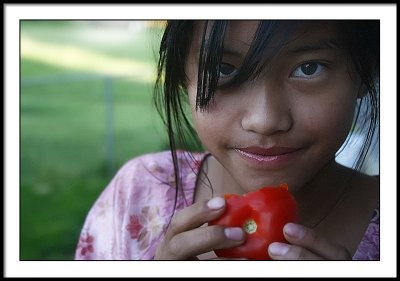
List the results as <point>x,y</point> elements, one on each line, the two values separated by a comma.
<point>273,151</point>
<point>267,158</point>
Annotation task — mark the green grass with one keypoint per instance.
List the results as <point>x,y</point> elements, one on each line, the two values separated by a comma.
<point>64,159</point>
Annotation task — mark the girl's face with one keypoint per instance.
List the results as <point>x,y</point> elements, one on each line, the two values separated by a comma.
<point>286,124</point>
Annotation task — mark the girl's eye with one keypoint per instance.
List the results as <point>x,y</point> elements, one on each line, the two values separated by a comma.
<point>226,70</point>
<point>308,70</point>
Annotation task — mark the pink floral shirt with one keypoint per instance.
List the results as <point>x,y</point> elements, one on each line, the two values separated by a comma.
<point>129,218</point>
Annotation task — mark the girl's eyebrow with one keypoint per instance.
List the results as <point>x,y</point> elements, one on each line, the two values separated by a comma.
<point>314,46</point>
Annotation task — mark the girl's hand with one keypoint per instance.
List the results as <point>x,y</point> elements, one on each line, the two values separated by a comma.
<point>185,239</point>
<point>306,245</point>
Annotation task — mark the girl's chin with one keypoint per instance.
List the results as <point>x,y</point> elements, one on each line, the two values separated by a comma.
<point>253,180</point>
<point>251,184</point>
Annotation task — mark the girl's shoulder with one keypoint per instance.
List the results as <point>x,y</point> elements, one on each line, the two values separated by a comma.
<point>155,172</point>
<point>161,163</point>
<point>155,160</point>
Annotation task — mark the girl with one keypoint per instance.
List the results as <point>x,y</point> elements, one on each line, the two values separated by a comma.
<point>271,102</point>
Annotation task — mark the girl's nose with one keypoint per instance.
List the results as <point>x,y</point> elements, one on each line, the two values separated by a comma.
<point>267,112</point>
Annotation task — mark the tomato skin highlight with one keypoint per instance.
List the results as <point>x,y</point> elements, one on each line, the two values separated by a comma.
<point>262,214</point>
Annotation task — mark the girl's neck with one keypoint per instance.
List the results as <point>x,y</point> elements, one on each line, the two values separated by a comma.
<point>323,193</point>
<point>214,180</point>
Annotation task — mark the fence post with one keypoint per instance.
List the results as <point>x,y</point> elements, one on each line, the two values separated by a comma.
<point>110,147</point>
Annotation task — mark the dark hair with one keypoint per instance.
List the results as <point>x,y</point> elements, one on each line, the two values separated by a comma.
<point>361,38</point>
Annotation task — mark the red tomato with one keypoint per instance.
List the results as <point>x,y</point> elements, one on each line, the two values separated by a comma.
<point>262,215</point>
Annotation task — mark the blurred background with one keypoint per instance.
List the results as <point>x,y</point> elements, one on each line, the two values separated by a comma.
<point>86,108</point>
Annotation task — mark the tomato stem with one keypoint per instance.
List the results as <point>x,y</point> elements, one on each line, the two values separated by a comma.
<point>250,226</point>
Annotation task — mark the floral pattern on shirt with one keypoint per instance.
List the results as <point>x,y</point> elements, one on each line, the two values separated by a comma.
<point>146,226</point>
<point>368,248</point>
<point>85,245</point>
<point>135,226</point>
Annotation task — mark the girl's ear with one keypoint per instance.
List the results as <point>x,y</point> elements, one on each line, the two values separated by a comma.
<point>362,91</point>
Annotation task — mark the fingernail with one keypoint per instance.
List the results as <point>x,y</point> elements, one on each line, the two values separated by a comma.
<point>216,203</point>
<point>294,230</point>
<point>278,249</point>
<point>234,233</point>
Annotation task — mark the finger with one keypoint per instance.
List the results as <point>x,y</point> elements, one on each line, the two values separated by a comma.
<point>308,238</point>
<point>283,251</point>
<point>195,216</point>
<point>205,239</point>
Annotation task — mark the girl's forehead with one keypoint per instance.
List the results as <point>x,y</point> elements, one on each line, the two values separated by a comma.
<point>241,31</point>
